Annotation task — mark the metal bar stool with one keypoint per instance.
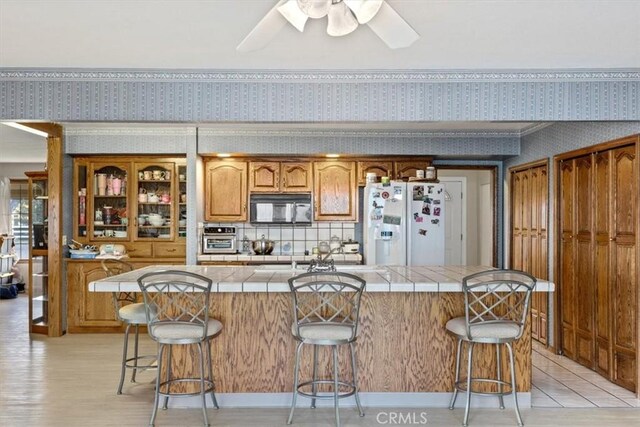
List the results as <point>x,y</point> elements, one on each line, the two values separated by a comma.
<point>130,312</point>
<point>326,310</point>
<point>496,307</point>
<point>177,311</point>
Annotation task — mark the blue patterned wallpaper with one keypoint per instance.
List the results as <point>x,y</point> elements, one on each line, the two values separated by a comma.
<point>318,96</point>
<point>128,140</point>
<point>356,142</point>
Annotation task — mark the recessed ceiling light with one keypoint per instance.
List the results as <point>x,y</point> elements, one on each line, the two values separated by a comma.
<point>333,156</point>
<point>26,129</point>
<point>224,155</point>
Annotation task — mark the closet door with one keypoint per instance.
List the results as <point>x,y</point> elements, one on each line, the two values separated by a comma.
<point>516,232</point>
<point>602,261</point>
<point>567,266</point>
<point>623,254</point>
<point>539,245</point>
<point>584,286</point>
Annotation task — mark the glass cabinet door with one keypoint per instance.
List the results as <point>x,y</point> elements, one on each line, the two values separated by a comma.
<point>38,259</point>
<point>109,210</point>
<point>154,207</point>
<point>182,205</point>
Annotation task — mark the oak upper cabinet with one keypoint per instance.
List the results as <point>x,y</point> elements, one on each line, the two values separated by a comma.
<point>406,169</point>
<point>225,190</point>
<point>379,167</point>
<point>296,177</point>
<point>335,191</point>
<point>280,177</point>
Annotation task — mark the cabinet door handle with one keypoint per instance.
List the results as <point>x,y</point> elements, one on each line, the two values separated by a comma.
<point>612,239</point>
<point>171,250</point>
<point>284,182</point>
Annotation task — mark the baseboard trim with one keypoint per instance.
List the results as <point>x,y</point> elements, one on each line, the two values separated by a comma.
<point>374,400</point>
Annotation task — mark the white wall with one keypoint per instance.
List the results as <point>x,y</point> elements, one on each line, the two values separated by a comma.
<point>17,170</point>
<point>475,178</point>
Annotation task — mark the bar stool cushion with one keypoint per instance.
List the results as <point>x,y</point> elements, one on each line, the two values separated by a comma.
<point>185,331</point>
<point>503,329</point>
<point>133,313</point>
<point>323,331</point>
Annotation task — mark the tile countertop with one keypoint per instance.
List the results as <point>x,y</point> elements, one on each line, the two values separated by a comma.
<point>338,258</point>
<point>274,279</point>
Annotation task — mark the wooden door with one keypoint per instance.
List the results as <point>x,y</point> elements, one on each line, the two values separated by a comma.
<point>529,195</point>
<point>335,195</point>
<point>379,167</point>
<point>585,289</point>
<point>225,191</point>
<point>264,177</point>
<point>542,271</point>
<point>568,283</point>
<point>516,233</point>
<point>602,259</point>
<point>624,258</point>
<point>407,169</point>
<point>296,177</point>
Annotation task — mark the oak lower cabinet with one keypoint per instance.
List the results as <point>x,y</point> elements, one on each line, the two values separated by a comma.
<point>335,191</point>
<point>529,240</point>
<point>598,255</point>
<point>280,177</point>
<point>94,311</point>
<point>225,190</point>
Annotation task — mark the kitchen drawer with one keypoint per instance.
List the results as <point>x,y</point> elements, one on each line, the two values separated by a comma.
<point>139,250</point>
<point>169,250</point>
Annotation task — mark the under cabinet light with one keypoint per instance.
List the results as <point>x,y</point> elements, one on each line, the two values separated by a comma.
<point>224,155</point>
<point>333,156</point>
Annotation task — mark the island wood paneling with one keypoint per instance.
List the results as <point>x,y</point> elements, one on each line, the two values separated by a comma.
<point>402,345</point>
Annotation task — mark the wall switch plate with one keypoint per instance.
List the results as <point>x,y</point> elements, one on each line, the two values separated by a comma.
<point>64,239</point>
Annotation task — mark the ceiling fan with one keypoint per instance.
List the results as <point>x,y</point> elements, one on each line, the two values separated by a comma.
<point>343,17</point>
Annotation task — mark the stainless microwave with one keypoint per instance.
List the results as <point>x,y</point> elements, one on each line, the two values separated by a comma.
<point>280,209</point>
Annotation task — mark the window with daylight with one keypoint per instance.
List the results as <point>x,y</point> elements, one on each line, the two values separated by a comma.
<point>19,208</point>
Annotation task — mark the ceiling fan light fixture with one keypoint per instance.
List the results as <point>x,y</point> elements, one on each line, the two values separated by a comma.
<point>341,20</point>
<point>314,8</point>
<point>292,13</point>
<point>364,10</point>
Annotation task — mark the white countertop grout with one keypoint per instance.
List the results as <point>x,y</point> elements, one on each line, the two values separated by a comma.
<point>252,279</point>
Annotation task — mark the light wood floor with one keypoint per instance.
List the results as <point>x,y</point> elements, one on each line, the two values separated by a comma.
<point>71,381</point>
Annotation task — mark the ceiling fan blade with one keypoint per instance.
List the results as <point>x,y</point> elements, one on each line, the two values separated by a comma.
<point>264,31</point>
<point>392,29</point>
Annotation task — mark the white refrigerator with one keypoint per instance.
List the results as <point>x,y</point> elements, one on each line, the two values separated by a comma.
<point>404,224</point>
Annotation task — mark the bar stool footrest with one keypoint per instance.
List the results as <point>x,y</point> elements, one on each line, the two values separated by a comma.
<point>150,365</point>
<point>462,386</point>
<point>341,395</point>
<point>209,387</point>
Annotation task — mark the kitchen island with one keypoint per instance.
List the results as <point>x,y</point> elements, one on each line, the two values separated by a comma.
<point>405,357</point>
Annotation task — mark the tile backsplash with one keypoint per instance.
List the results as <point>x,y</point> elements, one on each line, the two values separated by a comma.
<point>292,240</point>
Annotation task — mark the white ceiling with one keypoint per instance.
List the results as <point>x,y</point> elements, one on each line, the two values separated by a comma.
<point>18,146</point>
<point>202,34</point>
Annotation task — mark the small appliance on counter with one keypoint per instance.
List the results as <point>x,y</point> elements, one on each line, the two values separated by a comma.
<point>218,240</point>
<point>280,209</point>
